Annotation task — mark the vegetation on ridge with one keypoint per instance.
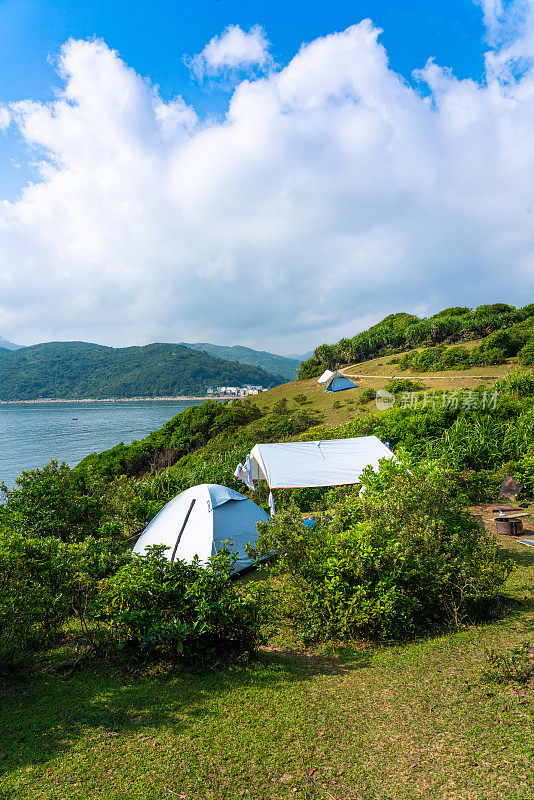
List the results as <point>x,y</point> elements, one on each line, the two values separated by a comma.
<point>399,332</point>
<point>81,370</point>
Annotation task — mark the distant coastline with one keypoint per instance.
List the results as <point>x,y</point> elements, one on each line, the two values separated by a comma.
<point>47,400</point>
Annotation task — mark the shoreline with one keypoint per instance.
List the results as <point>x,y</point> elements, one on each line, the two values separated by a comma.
<point>49,400</point>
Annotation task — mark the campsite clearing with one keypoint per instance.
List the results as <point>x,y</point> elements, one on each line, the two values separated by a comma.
<point>340,407</point>
<point>379,723</point>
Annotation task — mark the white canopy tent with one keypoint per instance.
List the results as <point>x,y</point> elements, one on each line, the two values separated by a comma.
<point>197,521</point>
<point>336,381</point>
<point>295,465</point>
<point>325,377</point>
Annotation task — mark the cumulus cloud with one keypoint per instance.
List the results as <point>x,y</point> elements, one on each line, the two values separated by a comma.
<point>331,194</point>
<point>231,51</point>
<point>5,119</point>
<point>510,32</point>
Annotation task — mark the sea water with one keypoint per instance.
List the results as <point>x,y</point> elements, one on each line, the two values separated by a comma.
<point>32,434</point>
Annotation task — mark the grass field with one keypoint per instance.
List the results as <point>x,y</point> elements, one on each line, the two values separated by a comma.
<point>396,722</point>
<point>340,407</point>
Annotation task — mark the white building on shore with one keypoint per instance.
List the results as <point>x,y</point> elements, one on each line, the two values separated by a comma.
<point>235,391</point>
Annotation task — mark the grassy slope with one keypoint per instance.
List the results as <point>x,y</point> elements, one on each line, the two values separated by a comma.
<point>376,374</point>
<point>402,722</point>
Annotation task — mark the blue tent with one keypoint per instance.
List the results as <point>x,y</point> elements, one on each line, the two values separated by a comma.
<point>197,521</point>
<point>336,381</point>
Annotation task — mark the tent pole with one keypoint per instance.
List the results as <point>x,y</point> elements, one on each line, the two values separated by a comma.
<point>193,501</point>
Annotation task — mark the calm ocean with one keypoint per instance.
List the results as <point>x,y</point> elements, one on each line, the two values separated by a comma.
<point>30,435</point>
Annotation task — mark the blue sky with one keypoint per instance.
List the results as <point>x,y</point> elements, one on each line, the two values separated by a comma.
<point>153,38</point>
<point>291,183</point>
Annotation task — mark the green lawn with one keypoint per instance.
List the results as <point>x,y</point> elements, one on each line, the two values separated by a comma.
<point>399,722</point>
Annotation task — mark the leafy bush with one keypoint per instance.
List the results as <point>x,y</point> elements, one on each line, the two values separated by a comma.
<point>45,581</point>
<point>456,311</point>
<point>301,399</point>
<point>402,560</point>
<point>24,607</point>
<point>508,341</point>
<point>526,354</point>
<point>367,395</point>
<point>434,359</point>
<point>518,384</point>
<point>55,501</point>
<point>154,608</point>
<point>403,385</point>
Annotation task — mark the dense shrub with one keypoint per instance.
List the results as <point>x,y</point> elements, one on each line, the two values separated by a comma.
<point>434,359</point>
<point>55,501</point>
<point>367,395</point>
<point>24,606</point>
<point>44,582</point>
<point>526,354</point>
<point>508,341</point>
<point>403,385</point>
<point>155,608</point>
<point>400,562</point>
<point>455,311</point>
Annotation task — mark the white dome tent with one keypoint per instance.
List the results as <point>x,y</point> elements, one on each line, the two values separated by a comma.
<point>197,521</point>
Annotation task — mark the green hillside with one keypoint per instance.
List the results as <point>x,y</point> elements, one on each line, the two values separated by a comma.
<point>506,329</point>
<point>82,370</point>
<point>292,408</point>
<point>391,639</point>
<point>270,362</point>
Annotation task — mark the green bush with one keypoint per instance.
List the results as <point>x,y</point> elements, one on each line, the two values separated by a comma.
<point>45,581</point>
<point>403,560</point>
<point>526,354</point>
<point>54,501</point>
<point>403,385</point>
<point>367,395</point>
<point>514,665</point>
<point>507,341</point>
<point>153,608</point>
<point>24,608</point>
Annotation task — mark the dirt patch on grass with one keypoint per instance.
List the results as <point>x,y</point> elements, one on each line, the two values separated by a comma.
<point>487,517</point>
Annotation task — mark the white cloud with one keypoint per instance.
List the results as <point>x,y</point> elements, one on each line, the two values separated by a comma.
<point>5,119</point>
<point>332,193</point>
<point>232,50</point>
<point>510,32</point>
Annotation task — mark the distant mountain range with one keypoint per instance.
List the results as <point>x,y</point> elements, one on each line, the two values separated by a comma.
<point>300,356</point>
<point>82,370</point>
<point>278,365</point>
<point>5,344</point>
